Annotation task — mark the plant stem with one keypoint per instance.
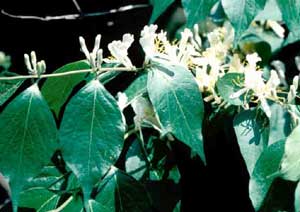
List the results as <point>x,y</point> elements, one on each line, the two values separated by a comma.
<point>101,70</point>
<point>61,207</point>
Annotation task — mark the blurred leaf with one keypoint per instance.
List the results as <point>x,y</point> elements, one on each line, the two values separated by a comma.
<point>252,137</point>
<point>177,207</point>
<point>178,103</point>
<point>91,134</point>
<point>8,88</point>
<point>241,13</point>
<point>227,85</point>
<point>159,7</point>
<point>135,163</point>
<point>253,43</point>
<point>268,36</point>
<point>37,192</point>
<point>174,174</point>
<point>120,192</point>
<point>280,123</point>
<point>264,173</point>
<point>72,183</point>
<point>49,177</point>
<point>217,13</point>
<point>96,206</point>
<point>290,164</point>
<point>39,198</point>
<point>290,10</point>
<point>75,205</point>
<point>28,139</point>
<point>56,90</point>
<point>270,12</point>
<point>297,198</point>
<point>196,10</point>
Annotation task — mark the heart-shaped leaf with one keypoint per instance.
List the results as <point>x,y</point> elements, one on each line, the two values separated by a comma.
<point>91,134</point>
<point>28,139</point>
<point>178,103</point>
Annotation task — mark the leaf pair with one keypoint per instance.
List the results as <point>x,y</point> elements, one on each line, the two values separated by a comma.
<point>91,133</point>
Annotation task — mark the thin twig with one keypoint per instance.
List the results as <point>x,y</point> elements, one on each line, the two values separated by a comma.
<point>77,6</point>
<point>101,70</point>
<point>76,16</point>
<point>60,208</point>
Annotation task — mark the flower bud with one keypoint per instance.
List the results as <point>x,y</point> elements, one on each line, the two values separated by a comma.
<point>97,44</point>
<point>33,60</point>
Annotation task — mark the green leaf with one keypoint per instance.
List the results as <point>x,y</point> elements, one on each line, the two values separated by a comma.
<point>241,13</point>
<point>8,88</point>
<point>49,177</point>
<point>290,165</point>
<point>159,7</point>
<point>252,137</point>
<point>297,198</point>
<point>135,163</point>
<point>137,88</point>
<point>72,183</point>
<point>177,207</point>
<point>96,206</point>
<point>75,205</point>
<point>268,36</point>
<point>56,90</point>
<point>253,43</point>
<point>280,123</point>
<point>290,10</point>
<point>178,103</point>
<point>91,134</point>
<point>264,173</point>
<point>197,10</point>
<point>120,192</point>
<point>36,193</point>
<point>227,85</point>
<point>39,199</point>
<point>270,12</point>
<point>28,139</point>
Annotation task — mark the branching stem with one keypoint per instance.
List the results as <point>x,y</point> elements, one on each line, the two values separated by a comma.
<point>101,70</point>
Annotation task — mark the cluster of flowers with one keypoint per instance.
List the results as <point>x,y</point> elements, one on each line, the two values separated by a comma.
<point>207,64</point>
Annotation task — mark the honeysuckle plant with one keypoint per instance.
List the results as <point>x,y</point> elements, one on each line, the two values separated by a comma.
<point>83,151</point>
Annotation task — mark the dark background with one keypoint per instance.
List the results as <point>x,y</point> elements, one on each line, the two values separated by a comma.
<point>223,184</point>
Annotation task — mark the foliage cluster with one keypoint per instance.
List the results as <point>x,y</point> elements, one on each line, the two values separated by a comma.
<point>61,144</point>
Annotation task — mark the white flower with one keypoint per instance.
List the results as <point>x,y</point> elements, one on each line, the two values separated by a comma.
<point>273,83</point>
<point>206,82</point>
<point>252,60</point>
<point>122,100</point>
<point>293,90</point>
<point>157,47</point>
<point>4,60</point>
<point>236,64</point>
<point>277,28</point>
<point>95,57</point>
<point>119,51</point>
<point>255,82</point>
<point>33,66</point>
<point>148,35</point>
